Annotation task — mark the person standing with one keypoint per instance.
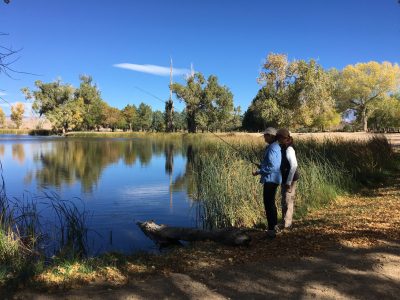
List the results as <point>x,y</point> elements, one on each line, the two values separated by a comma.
<point>271,178</point>
<point>289,176</point>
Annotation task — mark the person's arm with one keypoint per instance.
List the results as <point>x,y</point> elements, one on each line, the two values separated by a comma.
<point>291,157</point>
<point>272,160</point>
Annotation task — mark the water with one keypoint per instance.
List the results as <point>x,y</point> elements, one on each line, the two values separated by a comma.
<point>118,181</point>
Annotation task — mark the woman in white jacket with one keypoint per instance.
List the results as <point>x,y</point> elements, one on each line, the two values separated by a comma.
<point>289,176</point>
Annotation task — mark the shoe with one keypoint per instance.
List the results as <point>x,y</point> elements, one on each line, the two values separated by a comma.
<point>271,234</point>
<point>279,228</point>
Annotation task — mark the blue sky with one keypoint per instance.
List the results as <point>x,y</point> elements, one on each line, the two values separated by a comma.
<point>230,39</point>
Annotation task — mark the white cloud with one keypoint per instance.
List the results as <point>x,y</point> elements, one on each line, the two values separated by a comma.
<point>145,191</point>
<point>152,69</point>
<point>2,94</point>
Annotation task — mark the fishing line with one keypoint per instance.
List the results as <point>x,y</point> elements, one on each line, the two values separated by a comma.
<point>230,145</point>
<point>148,93</point>
<point>236,149</point>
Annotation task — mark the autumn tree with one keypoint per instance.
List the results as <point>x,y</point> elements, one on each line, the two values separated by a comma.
<point>364,86</point>
<point>113,118</point>
<point>208,104</point>
<point>17,113</point>
<point>2,118</point>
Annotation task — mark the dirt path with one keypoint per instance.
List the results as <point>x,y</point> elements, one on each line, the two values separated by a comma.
<point>349,250</point>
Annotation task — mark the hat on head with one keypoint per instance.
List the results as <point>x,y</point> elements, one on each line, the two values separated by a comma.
<point>270,130</point>
<point>283,132</point>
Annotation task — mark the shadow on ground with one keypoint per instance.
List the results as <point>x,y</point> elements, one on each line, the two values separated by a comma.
<point>344,272</point>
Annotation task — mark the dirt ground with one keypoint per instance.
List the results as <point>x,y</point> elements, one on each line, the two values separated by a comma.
<point>348,250</point>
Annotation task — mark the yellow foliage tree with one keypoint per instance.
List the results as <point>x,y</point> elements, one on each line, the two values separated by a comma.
<point>2,118</point>
<point>363,85</point>
<point>17,112</point>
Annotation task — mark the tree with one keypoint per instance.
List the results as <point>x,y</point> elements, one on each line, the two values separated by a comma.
<point>113,118</point>
<point>294,94</point>
<point>364,85</point>
<point>17,113</point>
<point>180,120</point>
<point>386,113</point>
<point>208,105</point>
<point>130,114</point>
<point>169,115</point>
<point>158,123</point>
<point>145,116</point>
<point>2,118</point>
<point>311,96</point>
<point>89,94</point>
<point>57,102</point>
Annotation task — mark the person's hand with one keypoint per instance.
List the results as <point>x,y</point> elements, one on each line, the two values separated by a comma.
<point>288,188</point>
<point>255,173</point>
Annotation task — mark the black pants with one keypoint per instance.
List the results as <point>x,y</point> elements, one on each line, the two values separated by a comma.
<point>269,204</point>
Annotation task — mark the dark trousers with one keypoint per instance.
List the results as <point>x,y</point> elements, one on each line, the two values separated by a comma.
<point>269,204</point>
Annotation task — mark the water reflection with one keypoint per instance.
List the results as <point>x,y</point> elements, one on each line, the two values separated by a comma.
<point>77,160</point>
<point>18,153</point>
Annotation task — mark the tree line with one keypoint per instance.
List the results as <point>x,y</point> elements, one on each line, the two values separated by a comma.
<point>296,94</point>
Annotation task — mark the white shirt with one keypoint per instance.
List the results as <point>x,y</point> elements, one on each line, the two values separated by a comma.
<point>291,157</point>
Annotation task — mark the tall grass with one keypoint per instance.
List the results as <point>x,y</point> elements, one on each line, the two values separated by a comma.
<point>26,236</point>
<point>231,196</point>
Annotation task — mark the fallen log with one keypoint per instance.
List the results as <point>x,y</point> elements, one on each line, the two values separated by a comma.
<point>166,235</point>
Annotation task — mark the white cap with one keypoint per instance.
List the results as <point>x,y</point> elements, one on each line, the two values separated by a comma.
<point>270,130</point>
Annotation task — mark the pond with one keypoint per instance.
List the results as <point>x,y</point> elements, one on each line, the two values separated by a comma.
<point>118,181</point>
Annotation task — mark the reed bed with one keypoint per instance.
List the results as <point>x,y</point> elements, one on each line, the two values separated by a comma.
<point>13,131</point>
<point>27,239</point>
<point>231,196</point>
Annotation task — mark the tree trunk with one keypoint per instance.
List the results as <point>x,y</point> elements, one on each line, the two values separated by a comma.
<point>166,235</point>
<point>364,119</point>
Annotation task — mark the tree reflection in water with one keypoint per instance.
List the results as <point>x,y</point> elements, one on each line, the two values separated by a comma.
<point>18,153</point>
<point>83,160</point>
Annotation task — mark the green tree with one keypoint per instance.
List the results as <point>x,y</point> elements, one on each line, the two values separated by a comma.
<point>57,102</point>
<point>180,121</point>
<point>130,114</point>
<point>92,103</point>
<point>145,116</point>
<point>293,94</point>
<point>17,113</point>
<point>364,85</point>
<point>386,113</point>
<point>208,105</point>
<point>2,118</point>
<point>158,123</point>
<point>311,96</point>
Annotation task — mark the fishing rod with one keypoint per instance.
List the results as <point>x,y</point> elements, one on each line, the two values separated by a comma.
<point>150,94</point>
<point>237,150</point>
<point>230,145</point>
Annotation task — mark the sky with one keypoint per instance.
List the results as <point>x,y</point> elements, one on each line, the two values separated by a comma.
<point>126,45</point>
